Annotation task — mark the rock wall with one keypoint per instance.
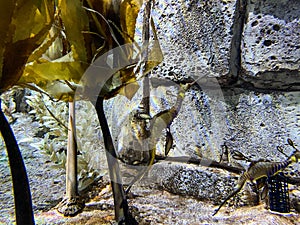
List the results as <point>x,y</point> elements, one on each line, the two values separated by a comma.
<point>245,55</point>
<point>252,49</point>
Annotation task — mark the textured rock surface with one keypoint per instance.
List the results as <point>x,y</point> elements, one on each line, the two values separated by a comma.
<point>200,38</point>
<point>259,122</point>
<point>198,181</point>
<point>271,44</point>
<point>195,37</point>
<point>255,121</point>
<point>200,127</point>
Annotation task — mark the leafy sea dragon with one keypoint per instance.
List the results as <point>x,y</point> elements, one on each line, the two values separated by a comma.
<point>261,168</point>
<point>158,123</point>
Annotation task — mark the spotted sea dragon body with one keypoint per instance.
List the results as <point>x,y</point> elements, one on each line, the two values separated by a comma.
<point>260,169</point>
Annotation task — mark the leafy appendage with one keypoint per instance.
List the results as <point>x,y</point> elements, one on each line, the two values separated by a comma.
<point>23,29</point>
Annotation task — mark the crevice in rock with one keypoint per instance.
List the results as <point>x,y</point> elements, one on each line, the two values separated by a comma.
<point>235,46</point>
<point>203,162</point>
<point>280,80</point>
<point>283,80</point>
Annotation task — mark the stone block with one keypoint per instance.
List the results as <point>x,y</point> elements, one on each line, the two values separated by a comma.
<point>259,122</point>
<point>192,180</point>
<point>195,37</point>
<point>271,45</point>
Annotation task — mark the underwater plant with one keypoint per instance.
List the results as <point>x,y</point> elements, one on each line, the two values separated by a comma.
<point>24,25</point>
<point>57,44</point>
<point>53,119</point>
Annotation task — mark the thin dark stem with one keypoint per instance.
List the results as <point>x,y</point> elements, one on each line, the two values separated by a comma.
<point>121,206</point>
<point>146,37</point>
<point>21,189</point>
